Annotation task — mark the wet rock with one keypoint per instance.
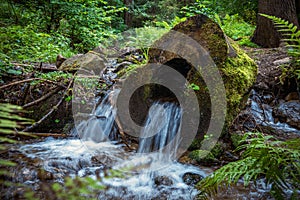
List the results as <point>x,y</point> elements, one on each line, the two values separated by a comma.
<point>289,112</point>
<point>268,98</point>
<point>121,66</point>
<point>26,174</point>
<point>163,180</point>
<point>44,175</point>
<point>191,178</point>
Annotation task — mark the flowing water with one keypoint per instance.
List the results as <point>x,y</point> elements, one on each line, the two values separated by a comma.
<point>150,173</point>
<point>263,115</point>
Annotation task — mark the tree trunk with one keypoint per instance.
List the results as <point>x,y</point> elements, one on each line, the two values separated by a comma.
<point>266,34</point>
<point>298,9</point>
<point>127,15</point>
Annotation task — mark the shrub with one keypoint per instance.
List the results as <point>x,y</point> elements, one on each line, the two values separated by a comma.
<point>23,43</point>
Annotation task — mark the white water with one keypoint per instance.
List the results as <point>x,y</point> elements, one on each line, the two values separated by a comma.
<point>101,125</point>
<point>161,132</point>
<point>150,173</point>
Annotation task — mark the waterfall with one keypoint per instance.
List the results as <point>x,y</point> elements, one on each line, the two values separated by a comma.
<point>101,126</point>
<point>161,132</point>
<point>150,173</point>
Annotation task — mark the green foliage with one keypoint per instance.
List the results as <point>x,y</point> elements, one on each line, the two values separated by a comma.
<point>237,29</point>
<point>291,36</point>
<point>202,156</point>
<point>87,22</point>
<point>10,120</point>
<point>262,156</point>
<point>193,86</point>
<point>52,76</point>
<point>77,188</point>
<point>44,29</point>
<point>198,7</point>
<point>142,38</point>
<point>171,24</point>
<point>23,43</point>
<point>244,8</point>
<point>145,12</point>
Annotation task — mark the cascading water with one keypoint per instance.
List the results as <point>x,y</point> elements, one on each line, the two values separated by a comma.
<point>162,127</point>
<point>157,175</point>
<point>150,173</point>
<point>101,125</point>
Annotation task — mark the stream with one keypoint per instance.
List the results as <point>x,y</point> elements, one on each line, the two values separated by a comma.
<point>149,172</point>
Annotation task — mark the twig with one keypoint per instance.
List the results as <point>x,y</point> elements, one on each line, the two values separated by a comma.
<point>29,80</point>
<point>22,65</point>
<point>46,96</point>
<point>18,82</point>
<point>51,111</point>
<point>25,93</point>
<point>55,135</point>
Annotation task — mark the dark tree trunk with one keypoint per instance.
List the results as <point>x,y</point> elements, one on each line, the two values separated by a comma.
<point>298,9</point>
<point>127,15</point>
<point>266,34</point>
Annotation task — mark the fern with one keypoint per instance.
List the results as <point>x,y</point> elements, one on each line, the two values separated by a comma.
<point>263,156</point>
<point>9,121</point>
<point>291,35</point>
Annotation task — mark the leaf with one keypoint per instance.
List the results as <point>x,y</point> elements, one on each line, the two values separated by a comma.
<point>7,163</point>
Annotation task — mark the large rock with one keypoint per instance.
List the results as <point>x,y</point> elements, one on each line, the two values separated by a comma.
<point>91,61</point>
<point>238,71</point>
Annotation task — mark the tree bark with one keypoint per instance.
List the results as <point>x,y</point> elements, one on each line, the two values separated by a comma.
<point>266,34</point>
<point>127,15</point>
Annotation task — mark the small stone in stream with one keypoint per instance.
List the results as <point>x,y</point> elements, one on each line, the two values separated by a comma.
<point>163,180</point>
<point>268,98</point>
<point>44,175</point>
<point>28,174</point>
<point>121,66</point>
<point>191,178</point>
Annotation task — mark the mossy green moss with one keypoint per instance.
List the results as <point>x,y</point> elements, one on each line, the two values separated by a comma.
<point>235,139</point>
<point>202,156</point>
<point>238,71</point>
<point>239,74</point>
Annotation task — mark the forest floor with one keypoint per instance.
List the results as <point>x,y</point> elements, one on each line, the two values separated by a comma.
<point>269,61</point>
<point>274,95</point>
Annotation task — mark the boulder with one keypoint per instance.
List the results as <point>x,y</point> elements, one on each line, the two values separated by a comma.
<point>238,71</point>
<point>90,61</point>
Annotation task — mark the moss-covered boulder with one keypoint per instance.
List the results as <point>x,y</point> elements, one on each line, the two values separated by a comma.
<point>203,157</point>
<point>91,61</point>
<point>237,70</point>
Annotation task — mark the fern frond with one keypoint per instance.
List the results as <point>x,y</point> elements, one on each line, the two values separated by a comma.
<point>291,35</point>
<point>291,30</point>
<point>263,156</point>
